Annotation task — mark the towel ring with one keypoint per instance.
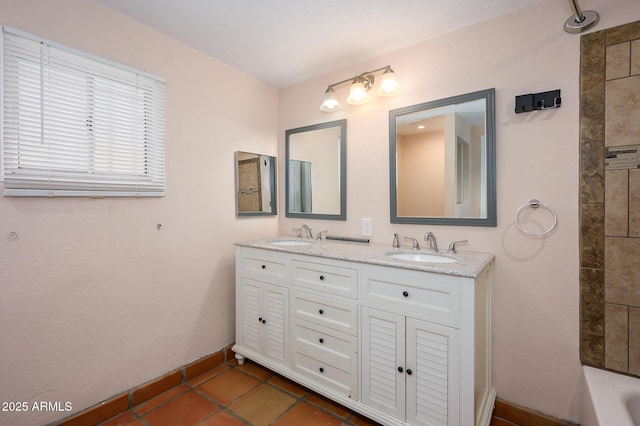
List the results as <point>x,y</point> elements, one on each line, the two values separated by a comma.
<point>534,204</point>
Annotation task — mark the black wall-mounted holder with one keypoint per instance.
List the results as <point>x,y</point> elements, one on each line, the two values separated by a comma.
<point>538,101</point>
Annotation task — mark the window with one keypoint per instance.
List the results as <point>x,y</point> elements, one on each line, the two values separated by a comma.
<point>77,125</point>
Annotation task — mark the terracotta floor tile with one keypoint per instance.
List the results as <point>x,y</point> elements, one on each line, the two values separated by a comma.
<point>222,418</point>
<point>255,370</point>
<point>289,386</point>
<point>307,415</point>
<point>321,401</point>
<point>153,403</point>
<point>186,410</point>
<point>262,405</point>
<point>208,375</point>
<point>358,420</point>
<point>229,385</point>
<point>120,420</point>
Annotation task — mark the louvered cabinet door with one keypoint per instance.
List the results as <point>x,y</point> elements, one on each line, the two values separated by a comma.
<point>264,322</point>
<point>275,310</point>
<point>432,387</point>
<point>383,361</point>
<point>250,319</point>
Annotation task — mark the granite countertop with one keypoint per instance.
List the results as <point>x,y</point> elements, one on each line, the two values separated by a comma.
<point>469,264</point>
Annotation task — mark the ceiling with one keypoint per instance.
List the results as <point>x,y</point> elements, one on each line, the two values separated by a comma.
<point>283,42</point>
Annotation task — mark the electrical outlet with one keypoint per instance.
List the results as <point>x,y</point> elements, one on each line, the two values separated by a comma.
<point>367,227</point>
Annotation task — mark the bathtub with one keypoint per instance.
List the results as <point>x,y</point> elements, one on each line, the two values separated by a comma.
<point>609,399</point>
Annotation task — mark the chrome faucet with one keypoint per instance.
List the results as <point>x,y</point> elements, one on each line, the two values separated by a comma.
<point>452,246</point>
<point>319,235</point>
<point>433,245</point>
<point>307,230</point>
<point>416,246</point>
<point>396,243</point>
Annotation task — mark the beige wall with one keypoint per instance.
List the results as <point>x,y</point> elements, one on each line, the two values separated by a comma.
<point>93,299</point>
<point>535,298</point>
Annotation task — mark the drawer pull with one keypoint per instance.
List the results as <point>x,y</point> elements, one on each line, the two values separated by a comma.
<point>400,370</point>
<point>264,266</point>
<point>321,369</point>
<point>262,320</point>
<point>321,340</point>
<point>320,311</point>
<point>409,371</point>
<point>405,293</point>
<point>321,277</point>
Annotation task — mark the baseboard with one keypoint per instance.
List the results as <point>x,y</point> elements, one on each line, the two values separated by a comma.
<point>512,414</point>
<point>126,400</point>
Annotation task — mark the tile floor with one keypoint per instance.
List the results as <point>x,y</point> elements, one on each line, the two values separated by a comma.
<point>233,394</point>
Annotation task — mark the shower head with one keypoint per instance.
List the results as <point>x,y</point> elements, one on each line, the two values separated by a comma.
<point>580,21</point>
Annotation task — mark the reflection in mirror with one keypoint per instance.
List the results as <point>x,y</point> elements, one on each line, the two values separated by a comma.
<point>442,161</point>
<point>316,171</point>
<point>255,184</point>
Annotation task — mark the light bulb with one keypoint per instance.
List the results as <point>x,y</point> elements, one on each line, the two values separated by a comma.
<point>389,85</point>
<point>358,94</point>
<point>330,102</point>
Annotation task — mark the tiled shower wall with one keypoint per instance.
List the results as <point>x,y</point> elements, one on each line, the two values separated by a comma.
<point>610,199</point>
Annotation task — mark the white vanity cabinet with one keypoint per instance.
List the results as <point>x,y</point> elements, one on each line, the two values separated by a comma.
<point>262,304</point>
<point>399,345</point>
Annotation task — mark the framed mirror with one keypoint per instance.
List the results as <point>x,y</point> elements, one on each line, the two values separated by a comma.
<point>316,171</point>
<point>255,184</point>
<point>442,161</point>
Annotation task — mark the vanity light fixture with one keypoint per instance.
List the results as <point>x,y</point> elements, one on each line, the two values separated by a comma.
<point>360,85</point>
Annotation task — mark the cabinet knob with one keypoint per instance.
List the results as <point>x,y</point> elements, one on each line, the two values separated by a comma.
<point>321,340</point>
<point>264,266</point>
<point>264,321</point>
<point>400,370</point>
<point>321,312</point>
<point>405,293</point>
<point>321,277</point>
<point>321,369</point>
<point>409,371</point>
<point>260,319</point>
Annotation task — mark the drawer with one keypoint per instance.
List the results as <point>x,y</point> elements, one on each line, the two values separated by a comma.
<point>333,347</point>
<point>333,314</point>
<point>326,278</point>
<point>338,379</point>
<point>261,266</point>
<point>434,296</point>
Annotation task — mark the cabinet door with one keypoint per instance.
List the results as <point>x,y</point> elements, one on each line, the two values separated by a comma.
<point>433,385</point>
<point>264,324</point>
<point>250,315</point>
<point>275,312</point>
<point>383,354</point>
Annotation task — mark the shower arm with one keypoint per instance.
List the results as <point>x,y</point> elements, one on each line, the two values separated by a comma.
<point>577,12</point>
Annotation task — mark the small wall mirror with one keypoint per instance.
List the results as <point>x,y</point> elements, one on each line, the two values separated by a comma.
<point>316,171</point>
<point>442,159</point>
<point>255,184</point>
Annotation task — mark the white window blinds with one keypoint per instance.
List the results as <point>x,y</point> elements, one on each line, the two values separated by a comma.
<point>75,124</point>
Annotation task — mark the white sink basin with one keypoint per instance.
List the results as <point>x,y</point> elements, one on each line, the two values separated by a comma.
<point>422,257</point>
<point>290,242</point>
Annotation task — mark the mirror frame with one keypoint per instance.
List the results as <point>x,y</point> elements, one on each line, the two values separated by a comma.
<point>491,219</point>
<point>272,179</point>
<point>342,124</point>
